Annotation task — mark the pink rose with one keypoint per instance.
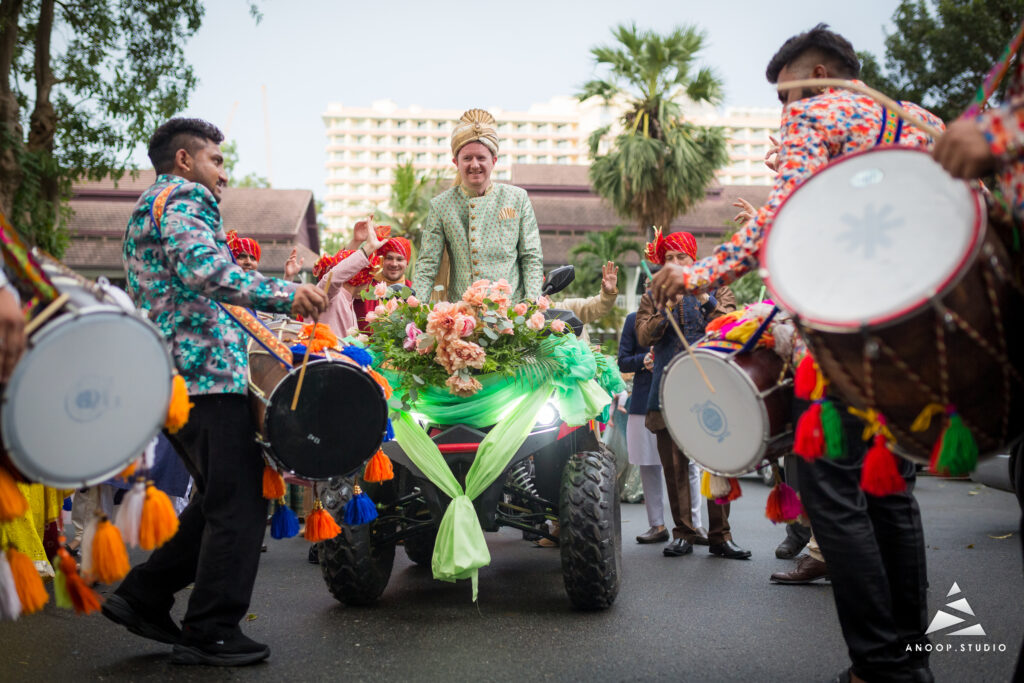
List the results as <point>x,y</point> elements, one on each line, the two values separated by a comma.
<point>371,316</point>
<point>380,310</point>
<point>413,301</point>
<point>412,333</point>
<point>508,330</point>
<point>557,326</point>
<point>380,290</point>
<point>521,308</point>
<point>536,321</point>
<point>468,324</point>
<point>391,305</point>
<point>425,344</point>
<point>543,303</point>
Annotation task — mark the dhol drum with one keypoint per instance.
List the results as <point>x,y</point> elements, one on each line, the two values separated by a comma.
<point>91,390</point>
<point>338,424</point>
<point>746,419</point>
<point>903,293</point>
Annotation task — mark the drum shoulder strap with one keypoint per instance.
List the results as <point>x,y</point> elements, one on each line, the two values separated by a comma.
<point>159,205</point>
<point>892,129</point>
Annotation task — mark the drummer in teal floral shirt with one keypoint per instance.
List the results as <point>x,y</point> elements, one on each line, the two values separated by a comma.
<point>179,269</point>
<point>488,230</point>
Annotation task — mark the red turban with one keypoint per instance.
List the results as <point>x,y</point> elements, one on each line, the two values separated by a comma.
<point>676,241</point>
<point>396,244</point>
<point>363,277</point>
<point>243,245</point>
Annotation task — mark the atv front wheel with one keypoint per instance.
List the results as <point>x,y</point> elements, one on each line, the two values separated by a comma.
<point>590,532</point>
<point>355,569</point>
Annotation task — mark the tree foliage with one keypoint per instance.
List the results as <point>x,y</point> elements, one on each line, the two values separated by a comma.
<point>230,151</point>
<point>941,50</point>
<point>409,203</point>
<point>83,82</point>
<point>659,164</point>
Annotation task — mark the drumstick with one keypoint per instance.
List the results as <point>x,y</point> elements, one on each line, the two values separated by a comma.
<point>309,342</point>
<point>45,314</point>
<point>686,345</point>
<point>882,99</point>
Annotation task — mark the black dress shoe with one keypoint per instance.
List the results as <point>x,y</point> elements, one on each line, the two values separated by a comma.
<point>160,628</point>
<point>652,535</point>
<point>789,548</point>
<point>730,550</point>
<point>677,548</point>
<point>236,650</point>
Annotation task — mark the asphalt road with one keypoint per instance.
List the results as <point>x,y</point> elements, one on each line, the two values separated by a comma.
<point>698,618</point>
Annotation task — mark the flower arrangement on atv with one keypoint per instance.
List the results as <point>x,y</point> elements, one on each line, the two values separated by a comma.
<point>450,344</point>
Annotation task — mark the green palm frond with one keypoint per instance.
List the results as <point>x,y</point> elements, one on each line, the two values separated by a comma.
<point>533,369</point>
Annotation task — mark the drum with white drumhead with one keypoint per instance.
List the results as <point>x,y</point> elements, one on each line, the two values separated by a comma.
<point>904,294</point>
<point>91,390</point>
<point>745,419</point>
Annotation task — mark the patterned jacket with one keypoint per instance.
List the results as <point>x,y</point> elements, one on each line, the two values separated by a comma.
<point>178,272</point>
<point>814,131</point>
<point>490,237</point>
<point>1004,129</point>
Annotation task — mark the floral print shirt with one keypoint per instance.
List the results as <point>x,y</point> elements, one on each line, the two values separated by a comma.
<point>1004,129</point>
<point>178,272</point>
<point>814,131</point>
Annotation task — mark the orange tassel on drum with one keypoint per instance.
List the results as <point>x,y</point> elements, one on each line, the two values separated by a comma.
<point>180,406</point>
<point>382,381</point>
<point>159,521</point>
<point>31,591</point>
<point>880,475</point>
<point>12,502</point>
<point>109,557</point>
<point>83,598</point>
<point>809,439</point>
<point>273,483</point>
<point>320,526</point>
<point>379,468</point>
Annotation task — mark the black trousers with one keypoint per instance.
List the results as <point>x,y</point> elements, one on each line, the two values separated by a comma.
<point>217,546</point>
<point>795,531</point>
<point>874,547</point>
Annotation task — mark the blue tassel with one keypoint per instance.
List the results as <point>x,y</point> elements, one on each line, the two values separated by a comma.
<point>360,356</point>
<point>359,509</point>
<point>389,434</point>
<point>284,523</point>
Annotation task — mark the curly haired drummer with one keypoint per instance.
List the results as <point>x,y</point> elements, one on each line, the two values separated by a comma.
<point>874,546</point>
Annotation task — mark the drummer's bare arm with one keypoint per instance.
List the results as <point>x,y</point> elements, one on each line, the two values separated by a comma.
<point>203,265</point>
<point>12,331</point>
<point>650,323</point>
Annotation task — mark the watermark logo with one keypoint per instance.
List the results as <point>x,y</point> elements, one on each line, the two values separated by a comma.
<point>958,612</point>
<point>711,419</point>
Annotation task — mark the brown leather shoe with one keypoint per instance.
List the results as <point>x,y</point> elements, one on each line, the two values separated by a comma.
<point>653,535</point>
<point>808,570</point>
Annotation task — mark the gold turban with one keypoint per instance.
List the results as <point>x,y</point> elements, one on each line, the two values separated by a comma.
<point>475,125</point>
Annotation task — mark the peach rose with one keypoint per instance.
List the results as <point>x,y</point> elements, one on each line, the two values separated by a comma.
<point>380,290</point>
<point>380,310</point>
<point>371,316</point>
<point>441,320</point>
<point>508,330</point>
<point>460,386</point>
<point>543,303</point>
<point>391,305</point>
<point>557,326</point>
<point>536,321</point>
<point>521,308</point>
<point>464,354</point>
<point>413,301</point>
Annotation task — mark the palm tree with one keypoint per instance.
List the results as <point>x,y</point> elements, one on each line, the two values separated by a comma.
<point>659,164</point>
<point>595,250</point>
<point>411,193</point>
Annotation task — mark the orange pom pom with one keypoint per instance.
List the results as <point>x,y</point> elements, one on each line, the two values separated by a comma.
<point>379,468</point>
<point>12,502</point>
<point>31,591</point>
<point>382,381</point>
<point>880,475</point>
<point>178,410</point>
<point>109,557</point>
<point>734,489</point>
<point>83,598</point>
<point>320,526</point>
<point>159,521</point>
<point>127,472</point>
<point>273,483</point>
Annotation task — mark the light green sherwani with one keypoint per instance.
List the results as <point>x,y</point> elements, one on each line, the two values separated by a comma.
<point>488,238</point>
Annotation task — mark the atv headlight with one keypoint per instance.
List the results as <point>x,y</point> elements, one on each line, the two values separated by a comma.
<point>548,415</point>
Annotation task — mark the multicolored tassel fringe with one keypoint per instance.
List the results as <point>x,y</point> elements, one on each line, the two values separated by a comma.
<point>31,592</point>
<point>82,598</point>
<point>955,452</point>
<point>783,506</point>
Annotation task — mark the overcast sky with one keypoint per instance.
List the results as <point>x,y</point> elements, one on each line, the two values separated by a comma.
<point>459,55</point>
